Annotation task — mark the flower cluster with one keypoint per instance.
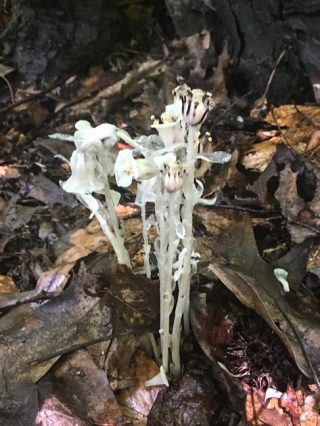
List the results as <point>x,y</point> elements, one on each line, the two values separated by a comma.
<point>164,167</point>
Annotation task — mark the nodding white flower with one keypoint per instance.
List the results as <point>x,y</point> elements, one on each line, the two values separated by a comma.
<point>95,138</point>
<point>84,178</point>
<point>126,168</point>
<point>173,180</point>
<point>169,127</point>
<point>195,104</point>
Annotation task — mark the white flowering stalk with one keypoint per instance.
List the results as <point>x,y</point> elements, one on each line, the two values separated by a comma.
<point>164,167</point>
<point>92,162</point>
<point>170,160</point>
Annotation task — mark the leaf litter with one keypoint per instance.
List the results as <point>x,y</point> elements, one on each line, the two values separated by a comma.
<point>73,325</point>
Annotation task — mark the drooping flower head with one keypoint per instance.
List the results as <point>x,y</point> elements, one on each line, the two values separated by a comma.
<point>92,160</point>
<point>195,104</point>
<point>128,168</point>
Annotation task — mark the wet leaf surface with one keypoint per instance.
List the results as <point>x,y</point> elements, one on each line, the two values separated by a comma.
<point>235,260</point>
<point>191,401</point>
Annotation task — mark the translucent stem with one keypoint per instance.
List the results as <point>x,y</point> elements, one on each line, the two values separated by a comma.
<point>118,247</point>
<point>122,255</point>
<point>165,289</point>
<point>182,307</point>
<point>146,245</point>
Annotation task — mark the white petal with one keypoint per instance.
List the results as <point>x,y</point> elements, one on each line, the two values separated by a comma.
<point>83,179</point>
<point>281,275</point>
<point>123,180</point>
<point>146,169</point>
<point>272,393</point>
<point>62,137</point>
<point>167,132</point>
<point>175,109</point>
<point>125,168</point>
<point>180,231</point>
<point>220,157</point>
<point>82,124</point>
<point>158,379</point>
<point>160,160</point>
<point>198,189</point>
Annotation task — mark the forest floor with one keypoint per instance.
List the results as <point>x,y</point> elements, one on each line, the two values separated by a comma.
<point>73,328</point>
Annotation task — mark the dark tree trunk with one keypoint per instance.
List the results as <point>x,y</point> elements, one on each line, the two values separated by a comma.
<point>257,31</point>
<point>46,38</point>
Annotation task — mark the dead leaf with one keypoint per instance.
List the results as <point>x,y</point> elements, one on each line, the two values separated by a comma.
<point>44,190</point>
<point>9,172</point>
<point>33,338</point>
<point>260,186</point>
<point>139,399</point>
<point>7,285</point>
<point>5,69</point>
<point>290,202</point>
<point>235,260</point>
<point>18,216</point>
<point>86,390</point>
<point>258,156</point>
<point>191,401</point>
<point>314,141</point>
<point>259,413</point>
<point>297,123</point>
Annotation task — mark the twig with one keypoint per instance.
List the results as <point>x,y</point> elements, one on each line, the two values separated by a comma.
<point>9,87</point>
<point>28,297</point>
<point>304,225</point>
<point>264,96</point>
<point>279,128</point>
<point>127,86</point>
<point>85,344</point>
<point>35,96</point>
<point>243,209</point>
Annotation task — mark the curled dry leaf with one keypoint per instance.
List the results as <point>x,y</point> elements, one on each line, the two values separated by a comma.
<point>235,260</point>
<point>34,337</point>
<point>86,389</point>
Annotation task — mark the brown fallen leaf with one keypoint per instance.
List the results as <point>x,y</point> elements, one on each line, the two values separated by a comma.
<point>7,285</point>
<point>9,172</point>
<point>314,141</point>
<point>34,337</point>
<point>258,156</point>
<point>125,211</point>
<point>44,190</point>
<point>191,401</point>
<point>85,389</point>
<point>258,412</point>
<point>139,399</point>
<point>235,260</point>
<point>260,186</point>
<point>297,123</point>
<point>302,213</point>
<point>287,194</point>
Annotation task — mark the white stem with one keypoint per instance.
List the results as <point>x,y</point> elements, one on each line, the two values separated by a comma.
<point>146,245</point>
<point>118,248</point>
<point>154,347</point>
<point>122,255</point>
<point>165,289</point>
<point>182,307</point>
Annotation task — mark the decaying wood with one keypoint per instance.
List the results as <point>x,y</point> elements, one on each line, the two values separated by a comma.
<point>127,87</point>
